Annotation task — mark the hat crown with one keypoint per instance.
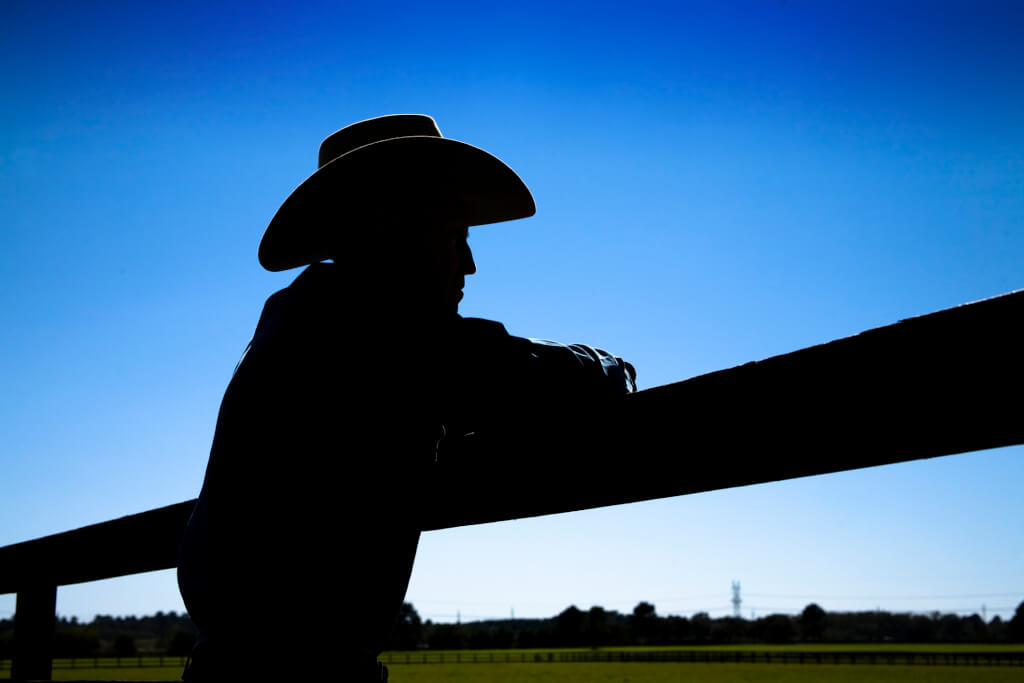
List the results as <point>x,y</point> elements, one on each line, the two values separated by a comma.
<point>366,132</point>
<point>372,163</point>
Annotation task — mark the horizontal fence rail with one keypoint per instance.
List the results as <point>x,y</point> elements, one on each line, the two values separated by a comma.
<point>887,657</point>
<point>421,657</point>
<point>942,383</point>
<point>133,662</point>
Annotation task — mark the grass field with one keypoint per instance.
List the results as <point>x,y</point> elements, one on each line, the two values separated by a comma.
<point>632,673</point>
<point>798,647</point>
<point>636,672</point>
<point>695,673</point>
<point>123,674</point>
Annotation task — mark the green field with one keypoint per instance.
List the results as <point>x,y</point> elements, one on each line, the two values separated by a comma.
<point>631,673</point>
<point>458,666</point>
<point>123,674</point>
<point>799,647</point>
<point>687,673</point>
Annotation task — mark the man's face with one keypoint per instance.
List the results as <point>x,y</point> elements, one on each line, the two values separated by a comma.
<point>434,264</point>
<point>452,261</point>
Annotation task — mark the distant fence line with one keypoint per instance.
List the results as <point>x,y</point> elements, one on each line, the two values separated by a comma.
<point>134,662</point>
<point>886,657</point>
<point>710,656</point>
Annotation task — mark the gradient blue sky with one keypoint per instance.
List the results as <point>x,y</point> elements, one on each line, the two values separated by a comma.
<point>716,183</point>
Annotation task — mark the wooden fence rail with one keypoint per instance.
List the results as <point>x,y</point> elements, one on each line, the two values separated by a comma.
<point>886,657</point>
<point>942,383</point>
<point>134,662</point>
<point>422,657</point>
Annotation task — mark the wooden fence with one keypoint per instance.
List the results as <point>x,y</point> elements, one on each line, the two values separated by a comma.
<point>135,662</point>
<point>942,383</point>
<point>888,657</point>
<point>703,656</point>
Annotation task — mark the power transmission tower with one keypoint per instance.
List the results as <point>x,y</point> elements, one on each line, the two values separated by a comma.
<point>736,600</point>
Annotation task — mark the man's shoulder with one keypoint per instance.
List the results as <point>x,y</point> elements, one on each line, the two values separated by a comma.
<point>482,326</point>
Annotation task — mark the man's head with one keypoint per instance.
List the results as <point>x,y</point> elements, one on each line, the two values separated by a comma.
<point>408,262</point>
<point>393,184</point>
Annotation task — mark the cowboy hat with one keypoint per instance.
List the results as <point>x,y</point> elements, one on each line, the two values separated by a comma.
<point>382,163</point>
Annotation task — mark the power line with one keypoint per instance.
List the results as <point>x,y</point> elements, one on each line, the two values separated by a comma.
<point>885,597</point>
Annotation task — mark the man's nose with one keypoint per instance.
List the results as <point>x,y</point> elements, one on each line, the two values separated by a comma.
<point>468,264</point>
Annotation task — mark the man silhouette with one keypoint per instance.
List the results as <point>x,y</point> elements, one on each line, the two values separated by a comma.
<point>358,388</point>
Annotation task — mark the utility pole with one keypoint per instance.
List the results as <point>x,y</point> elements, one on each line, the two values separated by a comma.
<point>736,600</point>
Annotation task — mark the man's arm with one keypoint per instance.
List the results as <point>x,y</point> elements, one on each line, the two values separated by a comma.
<point>522,417</point>
<point>606,372</point>
<point>537,366</point>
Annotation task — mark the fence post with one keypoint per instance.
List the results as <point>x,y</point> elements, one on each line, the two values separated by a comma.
<point>34,613</point>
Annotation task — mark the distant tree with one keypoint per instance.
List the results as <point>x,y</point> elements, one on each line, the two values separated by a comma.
<point>812,622</point>
<point>502,638</point>
<point>949,629</point>
<point>180,644</point>
<point>677,629</point>
<point>596,627</point>
<point>408,629</point>
<point>920,630</point>
<point>76,642</point>
<point>447,637</point>
<point>728,630</point>
<point>480,639</point>
<point>996,630</point>
<point>975,630</point>
<point>643,623</point>
<point>569,627</point>
<point>1015,629</point>
<point>124,646</point>
<point>526,639</point>
<point>775,628</point>
<point>701,624</point>
<point>644,610</point>
<point>6,639</point>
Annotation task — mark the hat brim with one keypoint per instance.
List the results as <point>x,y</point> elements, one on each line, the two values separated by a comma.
<point>377,177</point>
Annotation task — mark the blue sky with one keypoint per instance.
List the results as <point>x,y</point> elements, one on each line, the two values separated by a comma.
<point>716,183</point>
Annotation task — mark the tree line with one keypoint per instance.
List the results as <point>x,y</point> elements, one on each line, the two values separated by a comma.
<point>173,634</point>
<point>598,627</point>
<point>108,636</point>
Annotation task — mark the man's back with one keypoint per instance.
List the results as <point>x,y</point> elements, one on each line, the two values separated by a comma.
<point>298,516</point>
